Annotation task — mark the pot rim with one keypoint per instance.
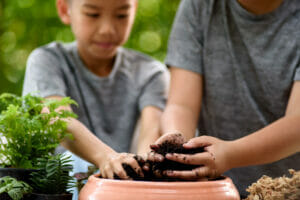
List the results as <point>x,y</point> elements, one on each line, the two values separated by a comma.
<point>52,195</point>
<point>183,188</point>
<point>15,169</point>
<point>219,182</point>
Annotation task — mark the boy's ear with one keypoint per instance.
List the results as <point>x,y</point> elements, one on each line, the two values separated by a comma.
<point>63,11</point>
<point>136,4</point>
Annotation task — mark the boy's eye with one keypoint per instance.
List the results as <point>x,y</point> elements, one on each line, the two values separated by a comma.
<point>93,15</point>
<point>122,16</point>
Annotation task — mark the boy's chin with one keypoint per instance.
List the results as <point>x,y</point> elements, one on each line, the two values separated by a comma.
<point>105,54</point>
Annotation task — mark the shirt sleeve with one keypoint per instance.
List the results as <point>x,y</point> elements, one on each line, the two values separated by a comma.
<point>185,42</point>
<point>154,92</point>
<point>297,74</point>
<point>43,74</point>
<point>297,71</point>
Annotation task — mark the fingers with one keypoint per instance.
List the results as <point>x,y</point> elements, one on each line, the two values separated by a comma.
<point>115,166</point>
<point>176,138</point>
<point>128,159</point>
<point>204,158</point>
<point>110,174</point>
<point>154,147</point>
<point>103,173</point>
<point>155,157</point>
<point>200,173</point>
<point>134,165</point>
<point>119,171</point>
<point>109,171</point>
<point>197,142</point>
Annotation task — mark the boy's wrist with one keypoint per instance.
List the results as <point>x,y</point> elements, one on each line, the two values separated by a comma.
<point>173,131</point>
<point>103,156</point>
<point>234,159</point>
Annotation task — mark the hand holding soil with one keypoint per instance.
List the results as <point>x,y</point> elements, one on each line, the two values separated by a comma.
<point>211,163</point>
<point>160,147</point>
<point>160,169</point>
<point>113,167</point>
<point>173,144</point>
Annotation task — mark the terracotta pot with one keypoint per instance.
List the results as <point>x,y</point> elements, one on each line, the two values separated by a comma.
<point>99,189</point>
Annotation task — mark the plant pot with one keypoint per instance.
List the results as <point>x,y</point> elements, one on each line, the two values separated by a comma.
<point>17,173</point>
<point>35,196</point>
<point>99,189</point>
<point>5,196</point>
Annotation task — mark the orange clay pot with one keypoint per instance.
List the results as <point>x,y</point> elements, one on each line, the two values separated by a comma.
<point>107,189</point>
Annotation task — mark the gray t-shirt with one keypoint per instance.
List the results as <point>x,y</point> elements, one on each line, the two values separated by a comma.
<point>109,106</point>
<point>249,64</point>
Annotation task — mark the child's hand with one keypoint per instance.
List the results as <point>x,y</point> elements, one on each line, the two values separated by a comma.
<point>152,157</point>
<point>112,165</point>
<point>171,137</point>
<point>214,161</point>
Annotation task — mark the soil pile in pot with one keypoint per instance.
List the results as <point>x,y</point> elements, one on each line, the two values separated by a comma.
<point>174,145</point>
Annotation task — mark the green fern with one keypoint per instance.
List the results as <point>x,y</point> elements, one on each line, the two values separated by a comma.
<point>29,133</point>
<point>15,189</point>
<point>52,176</point>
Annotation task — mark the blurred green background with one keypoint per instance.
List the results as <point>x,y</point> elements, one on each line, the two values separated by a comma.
<point>28,24</point>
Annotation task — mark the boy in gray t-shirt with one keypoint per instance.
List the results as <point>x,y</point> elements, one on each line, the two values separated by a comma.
<point>113,86</point>
<point>238,62</point>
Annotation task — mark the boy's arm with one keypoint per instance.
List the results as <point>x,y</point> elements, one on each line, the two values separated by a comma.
<point>86,145</point>
<point>149,128</point>
<point>272,143</point>
<point>184,102</point>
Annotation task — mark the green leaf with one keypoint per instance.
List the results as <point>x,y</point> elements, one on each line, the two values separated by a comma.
<point>31,134</point>
<point>53,175</point>
<point>15,189</point>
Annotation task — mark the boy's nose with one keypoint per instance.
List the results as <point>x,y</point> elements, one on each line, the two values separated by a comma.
<point>105,28</point>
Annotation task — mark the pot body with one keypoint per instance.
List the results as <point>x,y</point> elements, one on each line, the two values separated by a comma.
<point>99,189</point>
<point>17,173</point>
<point>35,196</point>
<point>5,196</point>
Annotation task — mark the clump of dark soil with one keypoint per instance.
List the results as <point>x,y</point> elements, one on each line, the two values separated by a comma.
<point>156,169</point>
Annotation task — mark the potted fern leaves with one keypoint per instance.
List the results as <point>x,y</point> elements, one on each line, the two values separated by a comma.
<point>52,180</point>
<point>28,134</point>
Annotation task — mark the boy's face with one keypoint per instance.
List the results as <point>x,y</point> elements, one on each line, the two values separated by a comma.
<point>99,26</point>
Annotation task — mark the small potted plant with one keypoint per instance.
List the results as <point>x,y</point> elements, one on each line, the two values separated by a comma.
<point>27,133</point>
<point>52,180</point>
<point>11,189</point>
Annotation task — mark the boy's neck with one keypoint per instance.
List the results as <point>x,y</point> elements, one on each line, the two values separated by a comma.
<point>101,67</point>
<point>260,7</point>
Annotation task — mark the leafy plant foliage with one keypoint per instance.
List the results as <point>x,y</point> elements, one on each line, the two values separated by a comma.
<point>52,176</point>
<point>15,189</point>
<point>28,132</point>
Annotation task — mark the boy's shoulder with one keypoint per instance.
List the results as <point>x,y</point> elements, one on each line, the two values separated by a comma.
<point>55,48</point>
<point>139,60</point>
<point>140,66</point>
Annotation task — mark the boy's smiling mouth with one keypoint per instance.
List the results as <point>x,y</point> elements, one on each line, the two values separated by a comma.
<point>105,45</point>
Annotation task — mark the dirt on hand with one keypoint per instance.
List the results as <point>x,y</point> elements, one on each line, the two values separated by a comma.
<point>171,144</point>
